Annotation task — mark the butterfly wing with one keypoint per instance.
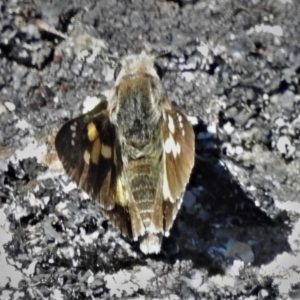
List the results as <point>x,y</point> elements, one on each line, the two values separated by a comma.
<point>179,149</point>
<point>125,215</point>
<point>90,154</point>
<point>85,145</point>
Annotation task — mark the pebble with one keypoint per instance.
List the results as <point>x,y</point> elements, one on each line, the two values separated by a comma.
<point>228,128</point>
<point>286,101</point>
<point>285,146</point>
<point>10,106</point>
<point>263,293</point>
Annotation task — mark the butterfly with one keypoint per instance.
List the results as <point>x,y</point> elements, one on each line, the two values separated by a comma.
<point>133,153</point>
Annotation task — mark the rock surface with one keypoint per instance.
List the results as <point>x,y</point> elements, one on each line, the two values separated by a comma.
<point>234,66</point>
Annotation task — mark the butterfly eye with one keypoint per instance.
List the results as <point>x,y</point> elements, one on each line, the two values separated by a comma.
<point>117,71</point>
<point>158,70</point>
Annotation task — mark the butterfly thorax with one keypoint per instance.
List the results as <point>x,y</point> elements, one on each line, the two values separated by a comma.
<point>138,120</point>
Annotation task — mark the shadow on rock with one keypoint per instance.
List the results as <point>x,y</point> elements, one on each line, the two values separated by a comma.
<point>219,221</point>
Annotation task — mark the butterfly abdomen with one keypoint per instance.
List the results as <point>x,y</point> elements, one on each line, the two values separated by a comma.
<point>143,175</point>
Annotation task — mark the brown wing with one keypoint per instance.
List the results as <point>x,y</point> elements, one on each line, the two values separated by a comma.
<point>90,154</point>
<point>85,145</point>
<point>125,215</point>
<point>179,156</point>
<point>127,219</point>
<point>120,218</point>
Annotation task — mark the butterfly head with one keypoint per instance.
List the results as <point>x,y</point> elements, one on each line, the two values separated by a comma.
<point>135,65</point>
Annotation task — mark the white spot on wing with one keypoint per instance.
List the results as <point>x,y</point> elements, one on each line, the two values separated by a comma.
<point>166,190</point>
<point>171,124</point>
<point>73,127</point>
<point>171,146</point>
<point>178,150</point>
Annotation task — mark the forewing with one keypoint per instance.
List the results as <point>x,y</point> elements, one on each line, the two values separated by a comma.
<point>85,145</point>
<point>179,149</point>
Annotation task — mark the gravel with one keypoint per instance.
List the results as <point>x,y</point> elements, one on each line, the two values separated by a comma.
<point>234,67</point>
